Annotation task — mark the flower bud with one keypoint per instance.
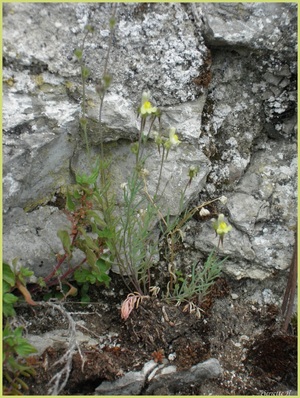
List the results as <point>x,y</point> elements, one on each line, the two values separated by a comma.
<point>193,171</point>
<point>204,212</point>
<point>223,199</point>
<point>173,138</point>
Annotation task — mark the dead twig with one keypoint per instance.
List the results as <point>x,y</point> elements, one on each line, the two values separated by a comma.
<point>60,379</point>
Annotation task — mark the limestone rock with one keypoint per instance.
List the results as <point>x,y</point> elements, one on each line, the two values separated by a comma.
<point>130,384</point>
<point>32,238</point>
<point>57,339</point>
<point>251,25</point>
<point>171,383</point>
<point>160,379</point>
<point>42,99</point>
<point>225,77</point>
<point>174,180</point>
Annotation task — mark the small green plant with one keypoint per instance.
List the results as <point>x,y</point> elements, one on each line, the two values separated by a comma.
<point>127,232</point>
<point>8,283</point>
<point>14,279</point>
<point>195,287</point>
<point>15,348</point>
<point>82,208</point>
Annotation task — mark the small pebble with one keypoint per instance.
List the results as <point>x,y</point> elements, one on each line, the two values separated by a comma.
<point>172,356</point>
<point>234,296</point>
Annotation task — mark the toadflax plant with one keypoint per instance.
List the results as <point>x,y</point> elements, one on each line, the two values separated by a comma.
<point>123,237</point>
<point>134,248</point>
<point>130,241</point>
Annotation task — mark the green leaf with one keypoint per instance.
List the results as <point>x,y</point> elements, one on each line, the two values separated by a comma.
<point>96,218</point>
<point>8,275</point>
<point>18,332</point>
<point>112,22</point>
<point>107,80</point>
<point>24,348</point>
<point>24,273</point>
<point>6,287</point>
<point>47,296</point>
<point>69,203</point>
<point>78,53</point>
<point>91,243</point>
<point>101,275</point>
<point>102,265</point>
<point>85,298</point>
<point>90,257</point>
<point>83,122</point>
<point>91,179</point>
<point>65,240</point>
<point>80,178</point>
<point>41,282</point>
<point>106,233</point>
<point>89,28</point>
<point>85,72</point>
<point>91,278</point>
<point>84,288</point>
<point>81,275</point>
<point>104,278</point>
<point>77,195</point>
<point>10,341</point>
<point>9,298</point>
<point>8,310</point>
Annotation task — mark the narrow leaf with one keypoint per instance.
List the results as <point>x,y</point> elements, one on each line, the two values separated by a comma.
<point>8,275</point>
<point>25,293</point>
<point>65,240</point>
<point>69,202</point>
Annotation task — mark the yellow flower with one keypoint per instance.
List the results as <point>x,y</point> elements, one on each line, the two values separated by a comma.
<point>146,107</point>
<point>173,141</point>
<point>221,227</point>
<point>157,138</point>
<point>173,138</point>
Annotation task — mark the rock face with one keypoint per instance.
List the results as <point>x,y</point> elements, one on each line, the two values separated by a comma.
<point>162,379</point>
<point>224,76</point>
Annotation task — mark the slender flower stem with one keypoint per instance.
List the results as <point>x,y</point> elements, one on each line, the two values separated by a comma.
<point>160,171</point>
<point>104,74</point>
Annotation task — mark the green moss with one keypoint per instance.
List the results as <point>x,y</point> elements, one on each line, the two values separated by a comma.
<point>10,81</point>
<point>36,203</point>
<point>39,80</point>
<point>69,85</point>
<point>57,187</point>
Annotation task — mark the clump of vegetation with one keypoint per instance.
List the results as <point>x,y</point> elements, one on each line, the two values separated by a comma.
<point>12,279</point>
<point>83,200</point>
<point>15,347</point>
<point>124,236</point>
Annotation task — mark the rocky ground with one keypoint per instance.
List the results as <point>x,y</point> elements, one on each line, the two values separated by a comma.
<point>256,358</point>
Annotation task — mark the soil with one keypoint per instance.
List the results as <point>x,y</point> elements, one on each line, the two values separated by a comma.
<point>257,359</point>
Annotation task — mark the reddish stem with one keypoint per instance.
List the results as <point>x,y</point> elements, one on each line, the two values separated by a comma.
<point>60,261</point>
